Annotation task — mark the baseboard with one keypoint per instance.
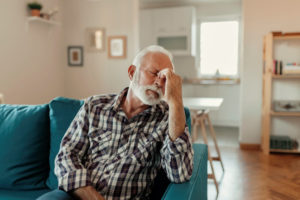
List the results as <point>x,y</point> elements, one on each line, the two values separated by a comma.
<point>246,146</point>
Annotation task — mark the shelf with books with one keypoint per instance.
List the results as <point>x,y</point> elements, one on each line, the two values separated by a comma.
<point>281,68</point>
<point>281,62</point>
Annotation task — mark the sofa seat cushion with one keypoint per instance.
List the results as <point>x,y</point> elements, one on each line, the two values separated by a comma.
<point>62,112</point>
<point>24,142</point>
<point>24,195</point>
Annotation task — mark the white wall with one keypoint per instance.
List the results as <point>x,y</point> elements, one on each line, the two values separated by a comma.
<point>260,18</point>
<point>31,60</point>
<point>99,74</point>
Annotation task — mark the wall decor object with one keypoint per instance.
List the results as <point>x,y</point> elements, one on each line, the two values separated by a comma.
<point>95,38</point>
<point>35,8</point>
<point>75,56</point>
<point>117,46</point>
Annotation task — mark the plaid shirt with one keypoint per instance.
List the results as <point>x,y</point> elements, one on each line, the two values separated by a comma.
<point>120,157</point>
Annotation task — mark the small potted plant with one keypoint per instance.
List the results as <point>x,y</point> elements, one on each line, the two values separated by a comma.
<point>35,8</point>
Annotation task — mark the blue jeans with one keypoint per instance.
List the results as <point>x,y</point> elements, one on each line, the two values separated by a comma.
<point>55,195</point>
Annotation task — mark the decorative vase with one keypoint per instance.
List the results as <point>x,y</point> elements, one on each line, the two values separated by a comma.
<point>35,12</point>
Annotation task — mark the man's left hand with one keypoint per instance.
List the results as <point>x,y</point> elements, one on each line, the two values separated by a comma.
<point>173,91</point>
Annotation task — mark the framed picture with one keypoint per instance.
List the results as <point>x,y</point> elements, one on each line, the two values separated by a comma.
<point>75,56</point>
<point>117,46</point>
<point>94,39</point>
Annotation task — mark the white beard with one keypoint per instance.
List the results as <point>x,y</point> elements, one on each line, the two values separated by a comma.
<point>140,91</point>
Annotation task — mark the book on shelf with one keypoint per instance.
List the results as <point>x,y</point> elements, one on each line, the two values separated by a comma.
<point>277,67</point>
<point>287,69</point>
<point>291,69</point>
<point>283,142</point>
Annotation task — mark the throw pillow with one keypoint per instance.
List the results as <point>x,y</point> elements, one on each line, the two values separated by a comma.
<point>24,142</point>
<point>62,113</point>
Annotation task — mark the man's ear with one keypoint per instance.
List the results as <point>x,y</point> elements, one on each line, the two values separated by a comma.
<point>131,71</point>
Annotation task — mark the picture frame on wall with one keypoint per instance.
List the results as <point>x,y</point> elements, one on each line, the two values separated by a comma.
<point>94,39</point>
<point>75,56</point>
<point>117,47</point>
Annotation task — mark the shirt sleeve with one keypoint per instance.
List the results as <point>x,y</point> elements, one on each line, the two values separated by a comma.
<point>177,157</point>
<point>69,169</point>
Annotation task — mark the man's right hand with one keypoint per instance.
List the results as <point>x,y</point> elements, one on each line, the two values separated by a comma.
<point>87,193</point>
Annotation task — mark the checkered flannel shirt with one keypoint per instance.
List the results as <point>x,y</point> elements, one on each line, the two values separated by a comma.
<point>120,157</point>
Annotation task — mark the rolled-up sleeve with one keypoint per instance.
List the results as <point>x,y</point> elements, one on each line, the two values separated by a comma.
<point>177,157</point>
<point>69,168</point>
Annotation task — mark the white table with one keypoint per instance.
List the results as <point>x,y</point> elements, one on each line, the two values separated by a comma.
<point>199,103</point>
<point>200,108</point>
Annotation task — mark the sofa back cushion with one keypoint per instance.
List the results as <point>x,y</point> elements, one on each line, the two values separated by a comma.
<point>62,112</point>
<point>24,142</point>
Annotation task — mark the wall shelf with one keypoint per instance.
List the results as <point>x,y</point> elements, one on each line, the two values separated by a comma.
<point>41,20</point>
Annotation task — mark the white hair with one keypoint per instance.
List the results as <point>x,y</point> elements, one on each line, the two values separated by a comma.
<point>153,48</point>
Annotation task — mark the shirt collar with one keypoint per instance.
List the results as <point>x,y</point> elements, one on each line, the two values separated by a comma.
<point>118,99</point>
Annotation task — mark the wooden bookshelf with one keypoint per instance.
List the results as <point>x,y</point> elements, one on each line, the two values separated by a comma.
<point>268,77</point>
<point>275,76</point>
<point>286,36</point>
<point>285,114</point>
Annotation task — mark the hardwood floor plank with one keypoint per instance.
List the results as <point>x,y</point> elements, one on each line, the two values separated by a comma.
<point>255,176</point>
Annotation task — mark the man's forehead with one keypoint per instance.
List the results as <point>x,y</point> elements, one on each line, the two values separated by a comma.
<point>156,60</point>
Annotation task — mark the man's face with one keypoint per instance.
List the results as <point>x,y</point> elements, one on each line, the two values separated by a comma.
<point>146,83</point>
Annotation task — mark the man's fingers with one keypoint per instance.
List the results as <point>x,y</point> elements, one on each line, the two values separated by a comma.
<point>165,73</point>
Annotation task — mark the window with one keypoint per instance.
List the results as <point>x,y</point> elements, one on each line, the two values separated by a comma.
<point>219,48</point>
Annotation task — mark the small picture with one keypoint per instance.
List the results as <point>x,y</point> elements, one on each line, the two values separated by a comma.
<point>117,47</point>
<point>95,38</point>
<point>75,56</point>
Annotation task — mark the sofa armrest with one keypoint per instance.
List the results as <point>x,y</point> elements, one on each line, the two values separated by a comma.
<point>196,188</point>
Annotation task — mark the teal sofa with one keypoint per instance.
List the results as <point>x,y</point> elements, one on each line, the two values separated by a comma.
<point>30,137</point>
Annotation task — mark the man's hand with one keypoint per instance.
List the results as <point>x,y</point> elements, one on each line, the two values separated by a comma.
<point>86,193</point>
<point>173,82</point>
<point>173,97</point>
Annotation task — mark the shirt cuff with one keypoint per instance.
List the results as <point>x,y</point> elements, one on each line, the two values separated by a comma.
<point>74,179</point>
<point>180,145</point>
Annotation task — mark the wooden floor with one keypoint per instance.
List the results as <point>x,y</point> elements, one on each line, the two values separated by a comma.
<point>250,175</point>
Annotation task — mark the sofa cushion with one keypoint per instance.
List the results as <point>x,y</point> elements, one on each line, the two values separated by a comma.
<point>24,142</point>
<point>62,112</point>
<point>21,194</point>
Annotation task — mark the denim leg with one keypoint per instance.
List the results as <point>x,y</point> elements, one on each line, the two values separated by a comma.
<point>55,195</point>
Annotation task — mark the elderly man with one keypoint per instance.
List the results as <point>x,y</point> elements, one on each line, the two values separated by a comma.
<point>116,144</point>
